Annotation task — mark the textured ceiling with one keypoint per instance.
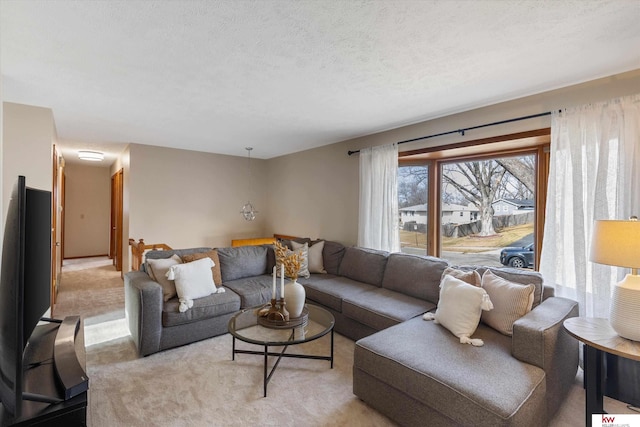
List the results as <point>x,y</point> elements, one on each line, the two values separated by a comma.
<point>285,76</point>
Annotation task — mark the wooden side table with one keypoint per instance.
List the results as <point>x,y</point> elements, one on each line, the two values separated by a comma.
<point>599,338</point>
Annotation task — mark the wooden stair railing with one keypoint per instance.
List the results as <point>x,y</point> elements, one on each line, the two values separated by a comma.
<point>137,251</point>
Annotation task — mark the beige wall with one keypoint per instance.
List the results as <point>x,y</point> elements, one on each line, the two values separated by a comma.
<point>87,215</point>
<point>28,135</point>
<point>315,193</point>
<point>187,198</point>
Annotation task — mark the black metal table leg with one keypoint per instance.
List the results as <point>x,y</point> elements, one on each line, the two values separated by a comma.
<point>331,348</point>
<point>266,362</point>
<point>593,380</point>
<point>233,349</point>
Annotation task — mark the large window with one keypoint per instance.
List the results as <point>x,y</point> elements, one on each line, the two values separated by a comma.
<point>479,205</point>
<point>412,205</point>
<point>487,205</point>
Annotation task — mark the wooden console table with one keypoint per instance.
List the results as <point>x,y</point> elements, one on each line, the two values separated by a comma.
<point>599,338</point>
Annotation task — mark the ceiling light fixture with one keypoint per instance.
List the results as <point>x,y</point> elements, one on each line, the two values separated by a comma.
<point>92,156</point>
<point>248,212</point>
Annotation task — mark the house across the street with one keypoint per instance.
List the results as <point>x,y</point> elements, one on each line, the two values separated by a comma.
<point>451,214</point>
<point>512,206</point>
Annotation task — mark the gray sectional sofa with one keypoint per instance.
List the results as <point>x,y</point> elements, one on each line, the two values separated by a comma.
<point>415,372</point>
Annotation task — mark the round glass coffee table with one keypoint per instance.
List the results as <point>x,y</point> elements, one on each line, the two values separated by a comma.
<point>247,327</point>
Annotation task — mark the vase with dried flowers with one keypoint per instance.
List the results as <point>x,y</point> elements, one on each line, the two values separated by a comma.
<point>294,292</point>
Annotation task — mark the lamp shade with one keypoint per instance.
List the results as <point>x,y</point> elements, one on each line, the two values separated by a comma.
<point>616,242</point>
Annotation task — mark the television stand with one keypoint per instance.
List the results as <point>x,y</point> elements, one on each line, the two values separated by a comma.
<point>55,385</point>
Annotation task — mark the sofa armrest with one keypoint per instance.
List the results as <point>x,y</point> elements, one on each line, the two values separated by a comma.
<point>143,306</point>
<point>535,335</point>
<point>540,339</point>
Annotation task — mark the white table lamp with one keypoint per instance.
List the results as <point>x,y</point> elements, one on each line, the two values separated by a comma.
<point>617,243</point>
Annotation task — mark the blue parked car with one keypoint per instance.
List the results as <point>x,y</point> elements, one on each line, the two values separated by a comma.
<point>518,257</point>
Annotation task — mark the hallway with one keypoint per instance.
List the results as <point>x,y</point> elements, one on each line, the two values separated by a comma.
<point>93,289</point>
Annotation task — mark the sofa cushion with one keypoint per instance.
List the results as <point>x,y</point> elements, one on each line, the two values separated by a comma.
<point>254,290</point>
<point>380,308</point>
<point>329,290</point>
<point>414,275</point>
<point>332,255</point>
<point>243,261</point>
<point>364,265</point>
<point>215,270</point>
<point>207,307</point>
<point>469,385</point>
<point>510,300</point>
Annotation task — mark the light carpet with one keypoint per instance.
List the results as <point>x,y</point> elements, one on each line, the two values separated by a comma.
<point>199,384</point>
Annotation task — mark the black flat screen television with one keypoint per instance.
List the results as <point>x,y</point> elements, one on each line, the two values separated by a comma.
<point>25,283</point>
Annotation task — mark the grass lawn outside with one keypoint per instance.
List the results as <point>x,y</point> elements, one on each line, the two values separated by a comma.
<point>471,244</point>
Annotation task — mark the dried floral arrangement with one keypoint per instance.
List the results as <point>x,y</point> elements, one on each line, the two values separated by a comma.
<point>291,260</point>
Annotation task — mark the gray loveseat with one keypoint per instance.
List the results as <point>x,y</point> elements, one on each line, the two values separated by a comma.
<point>157,325</point>
<point>413,371</point>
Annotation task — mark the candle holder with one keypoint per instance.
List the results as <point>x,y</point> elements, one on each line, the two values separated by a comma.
<point>274,313</point>
<point>283,309</point>
<point>277,311</point>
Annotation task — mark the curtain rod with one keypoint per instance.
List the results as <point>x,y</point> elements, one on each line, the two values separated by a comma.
<point>462,131</point>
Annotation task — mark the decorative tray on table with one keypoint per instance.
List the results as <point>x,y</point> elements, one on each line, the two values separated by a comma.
<point>284,324</point>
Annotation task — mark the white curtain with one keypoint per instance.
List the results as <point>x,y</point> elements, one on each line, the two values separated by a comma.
<point>594,174</point>
<point>378,218</point>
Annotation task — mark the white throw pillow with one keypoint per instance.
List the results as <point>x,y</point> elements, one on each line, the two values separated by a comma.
<point>158,269</point>
<point>193,280</point>
<point>459,308</point>
<point>511,301</point>
<point>314,255</point>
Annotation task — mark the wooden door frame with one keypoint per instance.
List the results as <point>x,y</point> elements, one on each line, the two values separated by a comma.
<point>116,232</point>
<point>112,229</point>
<point>57,223</point>
<point>63,190</point>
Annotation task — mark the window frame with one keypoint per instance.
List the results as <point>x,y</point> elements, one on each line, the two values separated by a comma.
<point>534,142</point>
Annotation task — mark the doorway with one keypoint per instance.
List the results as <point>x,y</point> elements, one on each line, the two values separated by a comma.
<point>115,248</point>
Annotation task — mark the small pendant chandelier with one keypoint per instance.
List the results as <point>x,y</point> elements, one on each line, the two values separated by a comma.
<point>248,212</point>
